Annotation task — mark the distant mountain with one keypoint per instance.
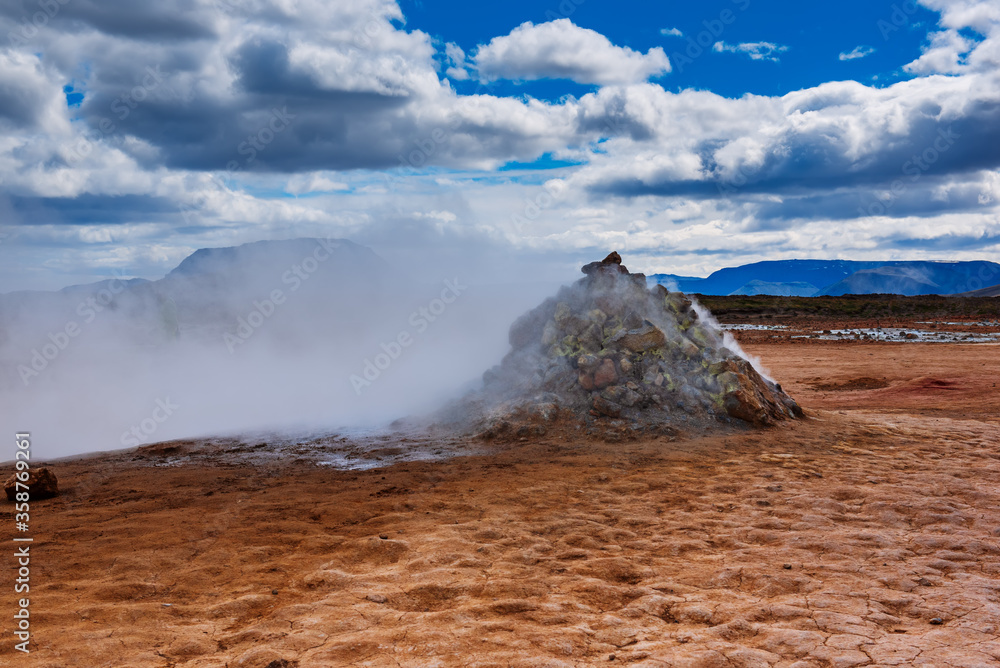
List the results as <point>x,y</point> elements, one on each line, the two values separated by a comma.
<point>793,289</point>
<point>915,278</point>
<point>329,283</point>
<point>837,277</point>
<point>817,273</point>
<point>267,255</point>
<point>992,291</point>
<point>211,280</point>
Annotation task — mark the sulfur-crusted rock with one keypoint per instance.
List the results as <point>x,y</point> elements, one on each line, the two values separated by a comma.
<point>640,339</point>
<point>610,355</point>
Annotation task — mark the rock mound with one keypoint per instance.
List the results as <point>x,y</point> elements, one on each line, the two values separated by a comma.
<point>41,482</point>
<point>611,357</point>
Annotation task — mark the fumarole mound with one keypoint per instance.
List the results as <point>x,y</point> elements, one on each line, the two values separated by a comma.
<point>612,358</point>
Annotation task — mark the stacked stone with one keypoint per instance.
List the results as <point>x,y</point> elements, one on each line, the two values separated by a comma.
<point>608,351</point>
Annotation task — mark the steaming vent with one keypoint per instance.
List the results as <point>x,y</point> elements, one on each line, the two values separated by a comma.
<point>615,359</point>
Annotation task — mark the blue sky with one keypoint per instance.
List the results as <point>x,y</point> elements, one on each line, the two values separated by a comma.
<point>689,136</point>
<point>815,34</point>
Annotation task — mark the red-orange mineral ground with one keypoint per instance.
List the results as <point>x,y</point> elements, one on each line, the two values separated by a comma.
<point>865,534</point>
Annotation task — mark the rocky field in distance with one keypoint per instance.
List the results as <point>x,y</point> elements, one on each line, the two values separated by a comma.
<point>849,309</point>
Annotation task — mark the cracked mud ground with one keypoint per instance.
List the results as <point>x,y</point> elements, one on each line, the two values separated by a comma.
<point>867,535</point>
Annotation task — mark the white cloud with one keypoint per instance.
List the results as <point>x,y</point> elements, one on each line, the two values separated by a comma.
<point>440,216</point>
<point>561,50</point>
<point>302,184</point>
<point>983,16</point>
<point>368,94</point>
<point>756,50</point>
<point>857,52</point>
<point>945,55</point>
<point>948,51</point>
<point>456,62</point>
<point>840,134</point>
<point>30,95</point>
<point>671,32</point>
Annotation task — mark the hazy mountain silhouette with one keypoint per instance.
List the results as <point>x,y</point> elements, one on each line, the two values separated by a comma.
<point>840,277</point>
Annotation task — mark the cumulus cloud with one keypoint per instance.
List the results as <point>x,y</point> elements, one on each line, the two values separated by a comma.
<point>837,135</point>
<point>303,184</point>
<point>857,52</point>
<point>561,50</point>
<point>287,87</point>
<point>951,52</point>
<point>982,16</point>
<point>945,55</point>
<point>755,50</point>
<point>29,96</point>
<point>197,125</point>
<point>456,62</point>
<point>671,32</point>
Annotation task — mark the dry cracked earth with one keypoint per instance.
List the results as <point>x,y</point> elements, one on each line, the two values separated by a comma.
<point>865,535</point>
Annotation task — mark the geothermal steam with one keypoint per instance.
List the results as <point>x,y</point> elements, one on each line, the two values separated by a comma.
<point>313,335</point>
<point>265,336</point>
<point>612,357</point>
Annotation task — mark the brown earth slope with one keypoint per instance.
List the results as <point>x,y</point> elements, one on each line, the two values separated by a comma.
<point>866,535</point>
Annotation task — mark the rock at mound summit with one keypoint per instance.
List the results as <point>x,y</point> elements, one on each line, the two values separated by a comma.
<point>611,355</point>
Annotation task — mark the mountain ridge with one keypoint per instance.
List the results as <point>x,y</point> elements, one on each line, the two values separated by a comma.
<point>840,277</point>
<point>796,277</point>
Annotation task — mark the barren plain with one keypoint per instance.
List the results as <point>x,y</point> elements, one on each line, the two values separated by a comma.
<point>866,534</point>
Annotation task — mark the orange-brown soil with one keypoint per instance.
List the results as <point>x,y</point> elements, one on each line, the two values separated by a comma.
<point>867,534</point>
